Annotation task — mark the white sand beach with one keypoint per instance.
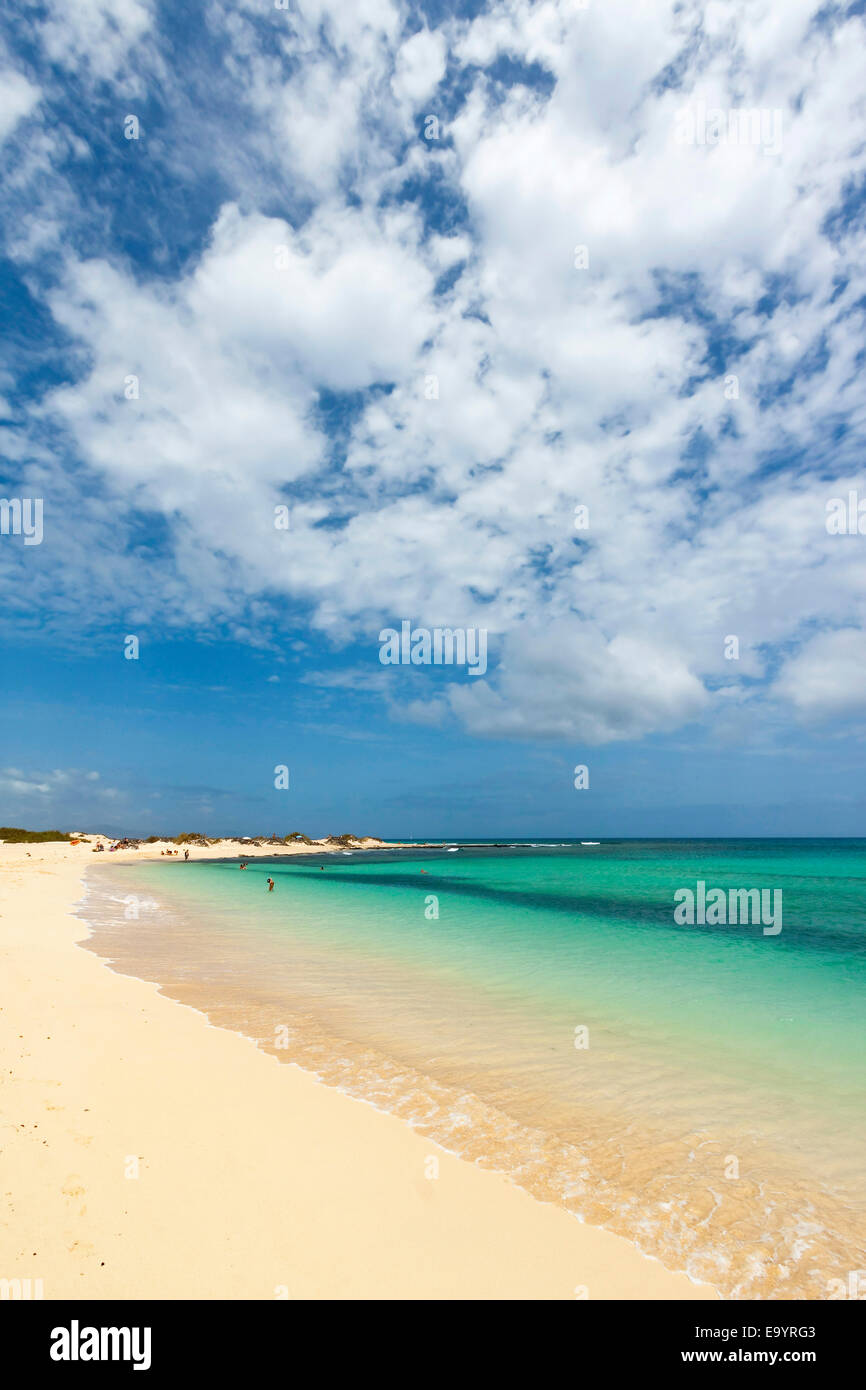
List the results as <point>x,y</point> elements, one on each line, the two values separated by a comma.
<point>254,1180</point>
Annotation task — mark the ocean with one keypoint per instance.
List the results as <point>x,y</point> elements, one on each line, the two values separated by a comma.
<point>540,1008</point>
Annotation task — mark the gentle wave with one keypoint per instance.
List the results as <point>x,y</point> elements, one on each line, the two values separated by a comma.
<point>776,1231</point>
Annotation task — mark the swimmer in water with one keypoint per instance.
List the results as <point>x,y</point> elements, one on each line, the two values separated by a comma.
<point>270,885</point>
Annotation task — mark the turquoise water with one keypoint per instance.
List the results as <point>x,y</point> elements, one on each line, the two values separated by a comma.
<point>713,1107</point>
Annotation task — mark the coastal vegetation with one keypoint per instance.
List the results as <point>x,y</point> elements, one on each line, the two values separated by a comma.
<point>16,835</point>
<point>13,835</point>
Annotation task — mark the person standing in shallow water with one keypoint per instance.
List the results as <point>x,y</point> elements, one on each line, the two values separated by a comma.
<point>270,885</point>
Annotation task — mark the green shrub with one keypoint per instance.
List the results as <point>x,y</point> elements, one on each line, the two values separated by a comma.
<point>13,835</point>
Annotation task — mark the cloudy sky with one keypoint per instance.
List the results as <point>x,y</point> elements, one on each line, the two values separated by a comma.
<point>528,328</point>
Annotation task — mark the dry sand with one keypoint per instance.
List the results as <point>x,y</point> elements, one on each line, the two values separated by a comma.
<point>254,1179</point>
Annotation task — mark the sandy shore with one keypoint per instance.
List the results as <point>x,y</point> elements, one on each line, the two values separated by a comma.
<point>254,1180</point>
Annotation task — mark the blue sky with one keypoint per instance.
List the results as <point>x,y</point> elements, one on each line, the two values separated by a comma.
<point>433,277</point>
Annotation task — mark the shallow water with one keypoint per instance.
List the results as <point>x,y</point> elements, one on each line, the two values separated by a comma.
<point>697,1088</point>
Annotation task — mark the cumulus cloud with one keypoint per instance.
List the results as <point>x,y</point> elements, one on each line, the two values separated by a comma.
<point>18,97</point>
<point>446,347</point>
<point>419,66</point>
<point>566,681</point>
<point>826,678</point>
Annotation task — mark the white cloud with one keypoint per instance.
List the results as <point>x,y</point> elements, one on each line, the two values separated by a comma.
<point>419,67</point>
<point>95,35</point>
<point>826,679</point>
<point>530,387</point>
<point>33,787</point>
<point>18,98</point>
<point>566,681</point>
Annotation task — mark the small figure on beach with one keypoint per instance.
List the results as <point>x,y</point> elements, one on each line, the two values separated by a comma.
<point>186,854</point>
<point>270,885</point>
